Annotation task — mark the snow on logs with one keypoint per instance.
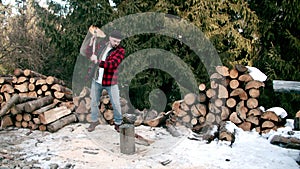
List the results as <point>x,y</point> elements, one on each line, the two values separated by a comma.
<point>232,96</point>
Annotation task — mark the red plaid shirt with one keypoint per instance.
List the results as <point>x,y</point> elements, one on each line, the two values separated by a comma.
<point>110,65</point>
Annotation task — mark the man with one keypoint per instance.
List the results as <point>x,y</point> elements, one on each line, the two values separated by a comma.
<point>106,56</point>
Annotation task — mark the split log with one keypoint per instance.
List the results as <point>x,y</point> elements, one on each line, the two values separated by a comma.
<point>45,108</point>
<point>253,119</point>
<point>267,124</point>
<point>7,88</point>
<point>255,112</point>
<point>60,88</point>
<point>245,78</point>
<point>225,112</point>
<point>7,96</point>
<point>81,108</point>
<point>156,121</point>
<point>105,99</point>
<point>198,110</point>
<point>85,92</point>
<point>222,70</point>
<point>54,114</point>
<point>270,115</point>
<point>6,121</point>
<point>213,84</point>
<point>40,82</point>
<point>225,134</point>
<point>234,118</point>
<point>216,76</point>
<point>62,95</point>
<point>222,92</point>
<point>22,87</point>
<point>239,92</point>
<point>55,126</point>
<point>254,84</point>
<point>108,114</point>
<point>21,79</point>
<point>246,126</point>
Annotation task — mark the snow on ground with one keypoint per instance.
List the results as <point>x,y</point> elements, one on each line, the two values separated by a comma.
<point>100,149</point>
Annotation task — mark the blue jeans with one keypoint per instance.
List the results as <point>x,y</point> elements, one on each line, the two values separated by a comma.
<point>113,92</point>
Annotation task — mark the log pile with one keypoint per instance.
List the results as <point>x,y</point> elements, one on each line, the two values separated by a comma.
<point>232,96</point>
<point>32,100</point>
<point>82,104</point>
<point>137,117</point>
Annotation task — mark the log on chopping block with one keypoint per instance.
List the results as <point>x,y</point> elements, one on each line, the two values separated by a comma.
<point>60,123</point>
<point>54,114</point>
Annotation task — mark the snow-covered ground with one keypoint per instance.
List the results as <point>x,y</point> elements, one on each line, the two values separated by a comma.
<point>77,148</point>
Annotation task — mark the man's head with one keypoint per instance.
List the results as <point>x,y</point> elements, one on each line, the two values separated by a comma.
<point>115,38</point>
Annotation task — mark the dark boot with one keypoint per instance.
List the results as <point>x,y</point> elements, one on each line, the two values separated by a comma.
<point>117,127</point>
<point>93,126</point>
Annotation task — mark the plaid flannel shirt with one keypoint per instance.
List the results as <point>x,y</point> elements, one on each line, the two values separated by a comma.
<point>110,65</point>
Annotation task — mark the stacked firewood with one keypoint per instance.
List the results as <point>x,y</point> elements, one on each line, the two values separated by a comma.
<point>137,117</point>
<point>32,100</point>
<point>232,96</point>
<point>82,104</point>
